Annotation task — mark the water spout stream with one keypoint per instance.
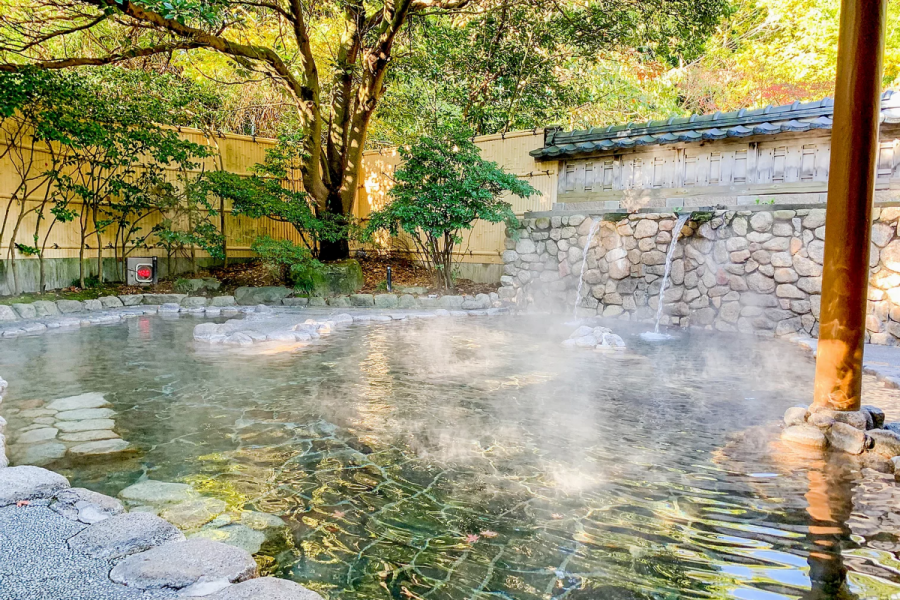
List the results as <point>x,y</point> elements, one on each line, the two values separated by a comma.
<point>587,246</point>
<point>676,233</point>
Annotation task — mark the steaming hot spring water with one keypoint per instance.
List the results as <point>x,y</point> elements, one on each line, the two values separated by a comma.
<point>478,457</point>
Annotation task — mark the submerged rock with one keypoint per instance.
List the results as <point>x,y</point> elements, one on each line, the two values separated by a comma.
<point>157,492</point>
<point>83,414</point>
<point>89,400</point>
<point>193,513</point>
<point>124,534</point>
<point>239,536</point>
<point>804,435</point>
<point>39,455</point>
<point>111,446</point>
<point>178,566</point>
<point>88,425</point>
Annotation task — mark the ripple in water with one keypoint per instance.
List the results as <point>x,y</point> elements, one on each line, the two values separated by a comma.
<point>476,458</point>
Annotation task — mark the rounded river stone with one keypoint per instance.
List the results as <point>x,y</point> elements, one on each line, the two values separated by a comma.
<point>124,534</point>
<point>269,588</point>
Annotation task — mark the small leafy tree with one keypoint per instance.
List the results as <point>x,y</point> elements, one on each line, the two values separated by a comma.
<point>268,193</point>
<point>188,220</point>
<point>442,187</point>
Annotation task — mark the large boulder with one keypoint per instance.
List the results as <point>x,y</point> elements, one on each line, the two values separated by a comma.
<point>339,278</point>
<point>197,286</point>
<point>177,566</point>
<point>251,296</point>
<point>124,534</point>
<point>160,299</point>
<point>885,443</point>
<point>846,438</point>
<point>29,483</point>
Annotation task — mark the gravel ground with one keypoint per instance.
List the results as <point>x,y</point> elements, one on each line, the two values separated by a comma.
<point>36,563</point>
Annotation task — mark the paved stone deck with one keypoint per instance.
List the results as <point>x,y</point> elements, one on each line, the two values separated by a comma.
<point>36,562</point>
<point>881,361</point>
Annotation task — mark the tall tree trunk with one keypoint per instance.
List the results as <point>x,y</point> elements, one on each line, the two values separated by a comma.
<point>339,249</point>
<point>99,248</point>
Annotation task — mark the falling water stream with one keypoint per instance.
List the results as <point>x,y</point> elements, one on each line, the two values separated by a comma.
<point>676,233</point>
<point>587,246</point>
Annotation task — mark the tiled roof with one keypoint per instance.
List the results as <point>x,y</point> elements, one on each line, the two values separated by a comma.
<point>799,116</point>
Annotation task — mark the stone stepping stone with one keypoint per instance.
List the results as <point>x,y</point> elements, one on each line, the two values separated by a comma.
<point>193,513</point>
<point>89,425</point>
<point>269,588</point>
<point>80,504</point>
<point>157,492</point>
<point>123,535</point>
<point>261,521</point>
<point>37,435</point>
<point>39,455</point>
<point>239,536</point>
<point>100,447</point>
<point>804,435</point>
<point>29,483</point>
<point>180,565</point>
<point>31,413</point>
<point>89,436</point>
<point>89,400</point>
<point>84,414</point>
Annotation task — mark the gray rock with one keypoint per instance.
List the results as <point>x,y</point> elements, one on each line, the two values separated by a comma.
<point>222,301</point>
<point>111,302</point>
<point>69,306</point>
<point>79,504</point>
<point>25,311</point>
<point>131,299</point>
<point>314,302</point>
<point>855,418</point>
<point>265,588</point>
<point>386,301</point>
<point>338,301</point>
<point>37,435</point>
<point>895,427</point>
<point>90,400</point>
<point>761,221</point>
<point>160,299</point>
<point>178,566</point>
<point>261,521</point>
<point>39,455</point>
<point>111,446</point>
<point>239,536</point>
<point>90,424</point>
<point>885,443</point>
<point>251,296</point>
<point>123,535</point>
<point>82,414</point>
<point>846,438</point>
<point>169,307</point>
<point>29,483</point>
<point>876,463</point>
<point>45,308</point>
<point>407,301</point>
<point>877,415</point>
<point>451,302</point>
<point>362,300</point>
<point>93,305</point>
<point>795,415</point>
<point>804,435</point>
<point>193,513</point>
<point>7,313</point>
<point>194,302</point>
<point>821,419</point>
<point>157,492</point>
<point>88,436</point>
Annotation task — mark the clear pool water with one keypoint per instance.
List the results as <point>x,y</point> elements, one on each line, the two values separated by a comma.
<point>476,458</point>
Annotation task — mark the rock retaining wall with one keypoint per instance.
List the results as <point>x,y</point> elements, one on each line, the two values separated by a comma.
<point>754,271</point>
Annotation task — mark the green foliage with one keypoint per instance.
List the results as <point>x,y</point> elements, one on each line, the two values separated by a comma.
<point>440,190</point>
<point>263,195</point>
<point>294,264</point>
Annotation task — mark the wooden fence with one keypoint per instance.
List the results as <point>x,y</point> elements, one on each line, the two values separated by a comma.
<point>237,154</point>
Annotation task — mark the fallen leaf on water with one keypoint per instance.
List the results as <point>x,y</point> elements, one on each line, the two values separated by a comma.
<point>556,516</point>
<point>488,533</point>
<point>339,514</point>
<point>471,538</point>
<point>22,503</point>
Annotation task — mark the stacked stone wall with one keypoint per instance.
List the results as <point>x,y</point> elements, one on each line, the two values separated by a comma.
<point>754,271</point>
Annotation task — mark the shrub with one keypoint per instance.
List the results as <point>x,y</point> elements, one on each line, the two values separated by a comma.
<point>292,263</point>
<point>441,189</point>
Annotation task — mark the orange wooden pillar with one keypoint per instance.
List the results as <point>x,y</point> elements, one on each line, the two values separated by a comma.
<point>851,185</point>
